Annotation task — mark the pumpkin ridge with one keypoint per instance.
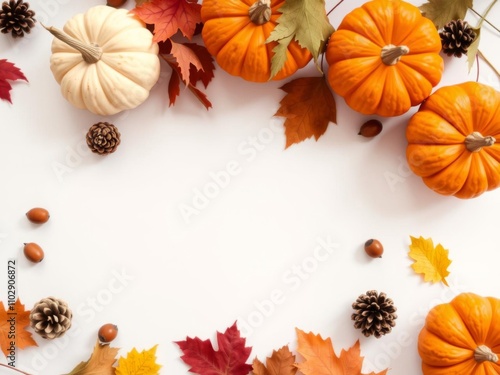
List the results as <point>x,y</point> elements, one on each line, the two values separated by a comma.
<point>450,180</point>
<point>407,28</point>
<point>355,22</point>
<point>475,184</point>
<point>365,85</point>
<point>91,34</point>
<point>109,61</point>
<point>388,19</point>
<point>492,173</point>
<point>121,100</point>
<point>102,78</point>
<point>236,66</point>
<point>345,64</point>
<point>416,84</point>
<point>232,27</point>
<point>258,39</point>
<point>423,69</point>
<point>463,306</point>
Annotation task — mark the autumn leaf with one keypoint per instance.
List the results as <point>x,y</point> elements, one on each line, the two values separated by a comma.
<point>320,358</point>
<point>170,16</point>
<point>8,72</point>
<point>308,107</point>
<point>473,48</point>
<point>281,362</point>
<point>200,68</point>
<point>185,57</point>
<point>206,73</point>
<point>430,261</point>
<point>143,363</point>
<point>100,362</point>
<point>443,11</point>
<point>13,324</point>
<point>304,21</point>
<point>229,359</point>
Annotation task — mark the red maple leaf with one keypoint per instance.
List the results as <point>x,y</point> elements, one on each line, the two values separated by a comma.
<point>8,71</point>
<point>169,16</point>
<point>230,359</point>
<point>190,62</point>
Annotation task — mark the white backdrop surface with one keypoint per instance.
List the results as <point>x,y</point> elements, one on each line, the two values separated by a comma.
<point>278,245</point>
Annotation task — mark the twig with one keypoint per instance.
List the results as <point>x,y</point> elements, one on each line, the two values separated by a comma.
<point>481,55</point>
<point>14,369</point>
<point>340,2</point>
<point>485,20</point>
<point>483,16</point>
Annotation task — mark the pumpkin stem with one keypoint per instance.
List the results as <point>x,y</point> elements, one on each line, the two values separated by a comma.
<point>260,12</point>
<point>90,53</point>
<point>483,353</point>
<point>391,54</point>
<point>475,141</point>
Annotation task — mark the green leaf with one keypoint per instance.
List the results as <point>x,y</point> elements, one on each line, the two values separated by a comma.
<point>473,49</point>
<point>306,22</point>
<point>443,11</point>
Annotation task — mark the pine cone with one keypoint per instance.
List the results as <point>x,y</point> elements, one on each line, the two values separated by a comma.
<point>103,138</point>
<point>16,18</point>
<point>456,37</point>
<point>374,314</point>
<point>50,317</point>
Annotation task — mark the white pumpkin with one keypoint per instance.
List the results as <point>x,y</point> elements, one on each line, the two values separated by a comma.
<point>105,60</point>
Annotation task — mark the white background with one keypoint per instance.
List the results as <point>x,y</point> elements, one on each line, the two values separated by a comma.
<point>120,215</point>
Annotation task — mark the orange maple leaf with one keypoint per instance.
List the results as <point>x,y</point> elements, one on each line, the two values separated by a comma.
<point>100,362</point>
<point>281,362</point>
<point>185,57</point>
<point>308,107</point>
<point>13,323</point>
<point>190,62</point>
<point>320,358</point>
<point>169,16</point>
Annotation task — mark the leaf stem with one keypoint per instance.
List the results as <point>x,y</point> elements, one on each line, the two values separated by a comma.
<point>340,2</point>
<point>477,64</point>
<point>14,369</point>
<point>481,55</point>
<point>483,16</point>
<point>485,20</point>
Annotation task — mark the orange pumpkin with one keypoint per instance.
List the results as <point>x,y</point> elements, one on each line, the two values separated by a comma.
<point>451,140</point>
<point>462,337</point>
<point>384,58</point>
<point>235,33</point>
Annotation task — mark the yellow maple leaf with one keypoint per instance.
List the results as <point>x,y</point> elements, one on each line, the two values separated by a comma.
<point>143,363</point>
<point>430,261</point>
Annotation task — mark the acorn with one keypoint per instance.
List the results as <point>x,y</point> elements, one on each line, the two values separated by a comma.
<point>107,333</point>
<point>374,248</point>
<point>371,128</point>
<point>33,252</point>
<point>38,215</point>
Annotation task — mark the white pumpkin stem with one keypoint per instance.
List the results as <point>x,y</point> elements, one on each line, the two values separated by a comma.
<point>391,54</point>
<point>260,12</point>
<point>483,353</point>
<point>475,141</point>
<point>90,53</point>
